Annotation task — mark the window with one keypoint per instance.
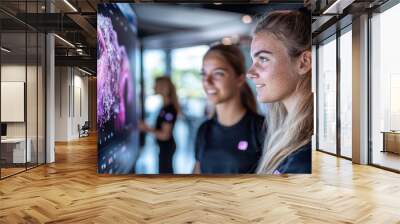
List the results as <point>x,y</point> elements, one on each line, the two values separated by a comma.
<point>385,88</point>
<point>186,67</point>
<point>346,93</point>
<point>327,96</point>
<point>153,66</point>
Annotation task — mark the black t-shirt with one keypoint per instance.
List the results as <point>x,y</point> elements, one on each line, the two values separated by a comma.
<point>233,149</point>
<point>298,161</point>
<point>167,114</point>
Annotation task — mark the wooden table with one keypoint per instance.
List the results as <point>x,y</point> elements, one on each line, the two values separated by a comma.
<point>391,141</point>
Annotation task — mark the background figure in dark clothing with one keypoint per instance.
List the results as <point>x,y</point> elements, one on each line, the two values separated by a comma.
<point>231,141</point>
<point>166,119</point>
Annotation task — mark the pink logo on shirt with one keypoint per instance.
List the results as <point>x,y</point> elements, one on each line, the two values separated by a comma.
<point>169,117</point>
<point>243,145</point>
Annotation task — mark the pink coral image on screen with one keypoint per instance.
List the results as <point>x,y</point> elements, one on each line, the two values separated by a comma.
<point>113,75</point>
<point>116,98</point>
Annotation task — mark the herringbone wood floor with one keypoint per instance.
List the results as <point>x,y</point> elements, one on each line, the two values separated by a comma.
<point>70,191</point>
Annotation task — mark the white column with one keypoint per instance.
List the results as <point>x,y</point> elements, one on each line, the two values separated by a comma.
<point>50,92</point>
<point>360,90</point>
<point>50,99</point>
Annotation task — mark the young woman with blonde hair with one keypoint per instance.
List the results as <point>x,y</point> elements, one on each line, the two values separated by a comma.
<point>166,119</point>
<point>281,71</point>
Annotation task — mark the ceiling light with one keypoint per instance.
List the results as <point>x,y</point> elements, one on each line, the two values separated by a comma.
<point>5,49</point>
<point>338,6</point>
<point>70,5</point>
<point>65,41</point>
<point>217,3</point>
<point>84,71</point>
<point>246,19</point>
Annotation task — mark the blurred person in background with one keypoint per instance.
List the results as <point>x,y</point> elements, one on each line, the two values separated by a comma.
<point>163,131</point>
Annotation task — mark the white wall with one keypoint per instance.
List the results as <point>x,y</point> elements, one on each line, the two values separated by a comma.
<point>70,83</point>
<point>61,103</point>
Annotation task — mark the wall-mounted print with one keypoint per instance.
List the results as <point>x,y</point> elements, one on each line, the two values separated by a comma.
<point>221,89</point>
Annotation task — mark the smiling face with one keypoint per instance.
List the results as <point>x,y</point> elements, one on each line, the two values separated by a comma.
<point>220,82</point>
<point>273,71</point>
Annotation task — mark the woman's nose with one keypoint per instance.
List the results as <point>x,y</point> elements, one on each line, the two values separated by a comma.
<point>207,79</point>
<point>251,74</point>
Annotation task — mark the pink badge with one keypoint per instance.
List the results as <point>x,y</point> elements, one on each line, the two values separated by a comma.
<point>243,145</point>
<point>169,117</point>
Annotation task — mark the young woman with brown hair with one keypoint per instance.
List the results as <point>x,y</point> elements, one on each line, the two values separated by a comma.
<point>231,141</point>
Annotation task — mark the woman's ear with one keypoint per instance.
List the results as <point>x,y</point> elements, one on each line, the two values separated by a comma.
<point>304,63</point>
<point>241,80</point>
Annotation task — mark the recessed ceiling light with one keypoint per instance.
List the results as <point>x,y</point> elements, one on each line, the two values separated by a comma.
<point>246,19</point>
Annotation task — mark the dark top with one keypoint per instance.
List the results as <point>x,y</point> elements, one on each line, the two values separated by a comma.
<point>298,161</point>
<point>167,114</point>
<point>233,149</point>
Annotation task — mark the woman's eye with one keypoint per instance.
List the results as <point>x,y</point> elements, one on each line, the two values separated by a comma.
<point>218,74</point>
<point>263,59</point>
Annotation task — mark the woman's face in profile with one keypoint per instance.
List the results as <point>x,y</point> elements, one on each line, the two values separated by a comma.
<point>220,82</point>
<point>272,71</point>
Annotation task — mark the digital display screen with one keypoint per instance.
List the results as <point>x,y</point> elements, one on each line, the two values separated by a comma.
<point>117,104</point>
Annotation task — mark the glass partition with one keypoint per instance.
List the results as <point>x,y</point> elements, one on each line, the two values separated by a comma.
<point>15,151</point>
<point>22,88</point>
